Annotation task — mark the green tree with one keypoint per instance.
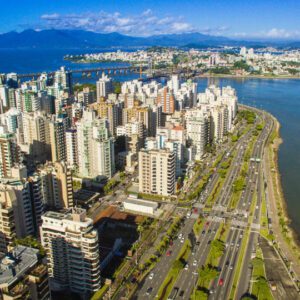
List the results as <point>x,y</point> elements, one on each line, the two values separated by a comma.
<point>178,265</point>
<point>117,87</point>
<point>206,275</point>
<point>199,295</point>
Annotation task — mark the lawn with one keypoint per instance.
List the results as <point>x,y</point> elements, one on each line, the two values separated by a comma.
<point>260,287</point>
<point>198,225</point>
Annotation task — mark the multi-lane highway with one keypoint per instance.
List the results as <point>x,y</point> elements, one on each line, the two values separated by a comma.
<point>239,218</point>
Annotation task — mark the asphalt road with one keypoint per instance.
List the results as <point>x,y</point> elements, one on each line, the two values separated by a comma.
<point>239,221</point>
<point>161,269</point>
<point>187,279</point>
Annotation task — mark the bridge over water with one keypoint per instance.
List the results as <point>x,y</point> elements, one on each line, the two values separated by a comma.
<point>90,71</point>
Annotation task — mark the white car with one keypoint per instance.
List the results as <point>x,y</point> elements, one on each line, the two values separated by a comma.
<point>186,267</point>
<point>151,276</point>
<point>195,263</point>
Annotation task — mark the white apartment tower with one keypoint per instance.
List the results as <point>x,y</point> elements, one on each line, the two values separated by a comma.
<point>104,86</point>
<point>72,250</point>
<point>157,172</point>
<point>72,148</point>
<point>197,128</point>
<point>95,147</point>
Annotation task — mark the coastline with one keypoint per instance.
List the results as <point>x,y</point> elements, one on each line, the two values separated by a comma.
<point>231,76</point>
<point>277,142</point>
<point>286,236</point>
<point>246,76</point>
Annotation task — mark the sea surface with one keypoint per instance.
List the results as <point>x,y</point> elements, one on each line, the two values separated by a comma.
<point>281,97</point>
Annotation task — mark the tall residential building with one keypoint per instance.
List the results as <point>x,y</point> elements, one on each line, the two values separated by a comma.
<point>157,172</point>
<point>9,152</point>
<point>197,128</point>
<point>56,181</point>
<point>72,148</point>
<point>72,249</point>
<point>104,86</point>
<point>23,275</point>
<point>57,129</point>
<point>25,199</point>
<point>63,79</point>
<point>95,147</point>
<point>34,132</point>
<point>107,110</point>
<point>7,219</point>
<point>86,96</point>
<point>166,99</point>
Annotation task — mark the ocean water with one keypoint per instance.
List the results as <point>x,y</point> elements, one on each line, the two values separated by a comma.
<point>281,97</point>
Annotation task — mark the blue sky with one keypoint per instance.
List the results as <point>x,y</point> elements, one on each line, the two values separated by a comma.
<point>239,18</point>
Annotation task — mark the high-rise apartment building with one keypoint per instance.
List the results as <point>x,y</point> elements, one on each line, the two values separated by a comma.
<point>157,172</point>
<point>72,249</point>
<point>72,148</point>
<point>198,134</point>
<point>9,152</point>
<point>104,86</point>
<point>95,147</point>
<point>166,99</point>
<point>57,189</point>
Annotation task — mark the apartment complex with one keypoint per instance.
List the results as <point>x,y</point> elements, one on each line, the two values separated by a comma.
<point>157,172</point>
<point>72,249</point>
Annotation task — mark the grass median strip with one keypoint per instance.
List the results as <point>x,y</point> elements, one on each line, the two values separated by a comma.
<point>174,272</point>
<point>245,241</point>
<point>198,225</point>
<point>260,288</point>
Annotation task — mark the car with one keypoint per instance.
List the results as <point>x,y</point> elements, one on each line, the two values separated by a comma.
<point>221,281</point>
<point>171,243</point>
<point>193,253</point>
<point>209,242</point>
<point>209,231</point>
<point>169,252</point>
<point>219,269</point>
<point>181,294</point>
<point>182,240</point>
<point>149,291</point>
<point>186,267</point>
<point>227,263</point>
<point>203,232</point>
<point>231,267</point>
<point>207,223</point>
<point>180,236</point>
<point>151,276</point>
<point>195,263</point>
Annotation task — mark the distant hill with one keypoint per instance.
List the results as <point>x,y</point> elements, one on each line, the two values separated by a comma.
<point>80,39</point>
<point>86,39</point>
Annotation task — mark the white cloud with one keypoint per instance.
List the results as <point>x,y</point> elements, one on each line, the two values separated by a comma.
<point>142,24</point>
<point>273,33</point>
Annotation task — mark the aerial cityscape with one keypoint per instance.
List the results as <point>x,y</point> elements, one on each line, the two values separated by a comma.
<point>150,150</point>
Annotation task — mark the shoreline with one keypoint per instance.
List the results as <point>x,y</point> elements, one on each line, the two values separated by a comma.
<point>286,237</point>
<point>231,76</point>
<point>246,76</point>
<point>283,202</point>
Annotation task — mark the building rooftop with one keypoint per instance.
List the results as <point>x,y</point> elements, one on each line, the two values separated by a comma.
<point>17,263</point>
<point>142,202</point>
